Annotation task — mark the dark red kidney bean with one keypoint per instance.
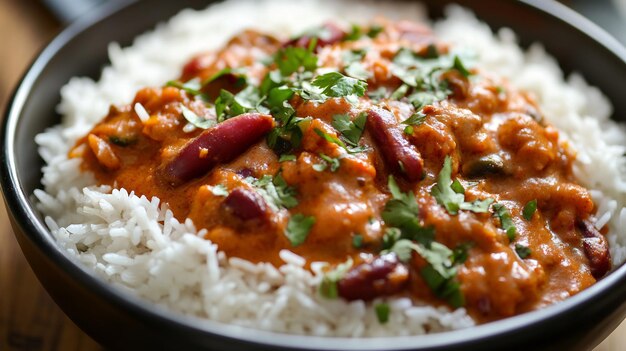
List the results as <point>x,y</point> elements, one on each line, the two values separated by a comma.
<point>245,172</point>
<point>385,275</point>
<point>245,204</point>
<point>231,82</point>
<point>596,248</point>
<point>334,34</point>
<point>401,157</point>
<point>219,144</point>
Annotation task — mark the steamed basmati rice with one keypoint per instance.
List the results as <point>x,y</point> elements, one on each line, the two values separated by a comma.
<point>136,244</point>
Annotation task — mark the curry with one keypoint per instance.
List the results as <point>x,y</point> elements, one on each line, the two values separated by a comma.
<point>375,149</point>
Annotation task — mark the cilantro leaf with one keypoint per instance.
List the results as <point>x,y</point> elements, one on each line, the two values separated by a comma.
<point>459,66</point>
<point>478,206</point>
<point>192,87</point>
<point>439,274</point>
<point>451,195</point>
<point>298,228</point>
<point>284,158</point>
<point>335,84</point>
<point>382,312</point>
<point>219,190</point>
<point>293,59</point>
<point>333,162</point>
<point>226,106</point>
<point>390,237</point>
<point>275,191</point>
<point>402,212</point>
<point>505,220</point>
<point>194,119</point>
<point>459,253</point>
<point>350,130</point>
<point>416,119</point>
<point>443,192</point>
<point>522,251</point>
<point>328,286</point>
<point>357,241</point>
<point>529,209</point>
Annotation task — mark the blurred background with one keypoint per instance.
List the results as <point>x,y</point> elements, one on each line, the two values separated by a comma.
<point>29,319</point>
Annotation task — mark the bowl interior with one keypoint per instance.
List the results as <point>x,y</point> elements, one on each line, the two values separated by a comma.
<point>81,50</point>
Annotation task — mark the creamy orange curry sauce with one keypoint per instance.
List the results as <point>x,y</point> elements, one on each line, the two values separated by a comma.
<point>375,149</point>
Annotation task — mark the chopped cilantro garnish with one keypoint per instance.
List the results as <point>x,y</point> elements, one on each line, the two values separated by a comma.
<point>390,237</point>
<point>328,287</point>
<point>451,195</point>
<point>350,130</point>
<point>219,190</point>
<point>287,157</point>
<point>459,66</point>
<point>275,191</point>
<point>337,141</point>
<point>440,272</point>
<point>335,84</point>
<point>416,119</point>
<point>199,122</point>
<point>241,78</point>
<point>529,209</point>
<point>374,31</point>
<point>459,253</point>
<point>226,106</point>
<point>357,241</point>
<point>408,130</point>
<point>293,59</point>
<point>402,212</point>
<point>192,87</point>
<point>522,251</point>
<point>382,312</point>
<point>400,92</point>
<point>327,160</point>
<point>505,220</point>
<point>298,228</point>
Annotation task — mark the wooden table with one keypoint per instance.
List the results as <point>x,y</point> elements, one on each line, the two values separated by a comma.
<point>29,319</point>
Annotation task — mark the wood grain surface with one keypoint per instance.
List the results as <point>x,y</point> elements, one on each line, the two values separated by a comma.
<point>29,319</point>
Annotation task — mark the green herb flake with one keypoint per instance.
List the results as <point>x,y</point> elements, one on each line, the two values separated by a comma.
<point>192,87</point>
<point>443,192</point>
<point>416,119</point>
<point>350,130</point>
<point>298,228</point>
<point>329,138</point>
<point>459,253</point>
<point>219,190</point>
<point>522,251</point>
<point>400,92</point>
<point>196,120</point>
<point>357,241</point>
<point>294,59</point>
<point>439,274</point>
<point>328,286</point>
<point>459,66</point>
<point>382,312</point>
<point>506,222</point>
<point>287,157</point>
<point>374,31</point>
<point>408,130</point>
<point>335,84</point>
<point>275,191</point>
<point>390,237</point>
<point>451,195</point>
<point>529,209</point>
<point>402,212</point>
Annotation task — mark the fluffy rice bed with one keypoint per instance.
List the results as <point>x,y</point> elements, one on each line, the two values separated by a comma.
<point>136,244</point>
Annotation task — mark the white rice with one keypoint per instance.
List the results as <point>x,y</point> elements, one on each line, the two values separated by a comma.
<point>136,243</point>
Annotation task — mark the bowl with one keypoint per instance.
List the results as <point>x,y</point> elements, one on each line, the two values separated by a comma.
<point>120,321</point>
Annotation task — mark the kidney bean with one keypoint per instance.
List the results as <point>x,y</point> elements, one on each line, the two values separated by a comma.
<point>401,157</point>
<point>219,144</point>
<point>245,204</point>
<point>596,248</point>
<point>385,275</point>
<point>331,34</point>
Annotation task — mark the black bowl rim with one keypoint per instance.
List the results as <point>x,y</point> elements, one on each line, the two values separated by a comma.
<point>26,218</point>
